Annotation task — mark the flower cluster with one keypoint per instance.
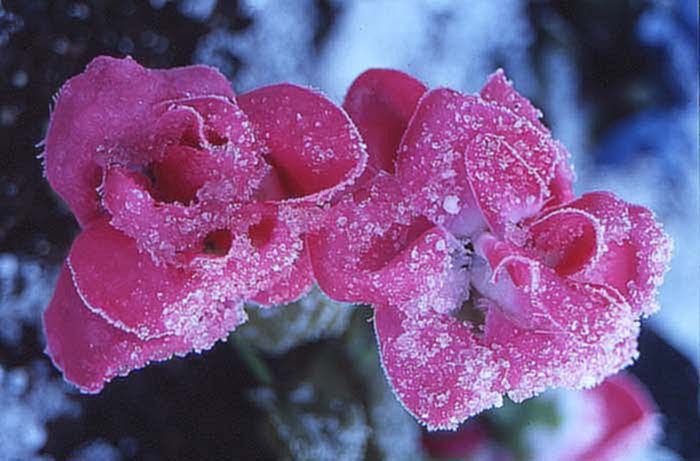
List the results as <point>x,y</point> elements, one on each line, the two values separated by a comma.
<point>452,215</point>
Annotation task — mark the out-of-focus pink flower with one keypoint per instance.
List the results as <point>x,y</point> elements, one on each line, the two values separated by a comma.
<point>488,277</point>
<point>191,201</point>
<point>611,422</point>
<point>621,418</point>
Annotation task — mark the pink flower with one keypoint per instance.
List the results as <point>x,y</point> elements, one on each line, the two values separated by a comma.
<point>191,201</point>
<point>610,422</point>
<point>487,276</point>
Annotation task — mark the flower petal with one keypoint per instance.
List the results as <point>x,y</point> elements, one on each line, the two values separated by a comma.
<point>148,300</point>
<point>536,298</point>
<point>567,239</point>
<point>372,248</point>
<point>459,150</point>
<point>430,161</point>
<point>309,141</point>
<point>637,251</point>
<point>295,283</point>
<point>89,350</point>
<point>435,365</point>
<point>501,91</point>
<point>109,109</point>
<point>162,229</point>
<point>538,360</point>
<point>381,102</point>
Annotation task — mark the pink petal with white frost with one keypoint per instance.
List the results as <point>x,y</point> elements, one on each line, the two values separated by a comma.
<point>309,141</point>
<point>146,300</point>
<point>538,360</point>
<point>244,264</point>
<point>110,108</point>
<point>637,251</point>
<point>381,102</point>
<point>506,188</point>
<point>458,149</point>
<point>372,248</point>
<point>567,239</point>
<point>231,166</point>
<point>295,283</point>
<point>435,365</point>
<point>498,89</point>
<point>88,349</point>
<point>626,416</point>
<point>430,162</point>
<point>161,229</point>
<point>536,298</point>
<point>444,370</point>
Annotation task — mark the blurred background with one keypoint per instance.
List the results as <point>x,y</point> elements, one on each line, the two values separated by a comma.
<point>618,84</point>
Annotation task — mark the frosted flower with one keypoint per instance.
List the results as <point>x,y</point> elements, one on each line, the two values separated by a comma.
<point>488,277</point>
<point>191,201</point>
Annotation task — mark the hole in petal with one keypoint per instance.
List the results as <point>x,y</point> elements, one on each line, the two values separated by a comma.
<point>218,242</point>
<point>189,138</point>
<point>261,233</point>
<point>215,138</point>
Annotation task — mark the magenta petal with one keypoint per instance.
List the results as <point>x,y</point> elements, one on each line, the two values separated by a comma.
<point>501,91</point>
<point>139,291</point>
<point>109,109</point>
<point>637,250</point>
<point>430,161</point>
<point>372,248</point>
<point>505,186</point>
<point>538,360</point>
<point>498,89</point>
<point>567,240</point>
<point>536,298</point>
<point>295,283</point>
<point>625,415</point>
<point>435,365</point>
<point>460,149</point>
<point>162,229</point>
<point>148,300</point>
<point>381,102</point>
<point>89,350</point>
<point>309,141</point>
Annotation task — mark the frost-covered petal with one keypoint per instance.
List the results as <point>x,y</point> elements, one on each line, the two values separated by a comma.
<point>536,298</point>
<point>161,229</point>
<point>126,288</point>
<point>435,365</point>
<point>430,162</point>
<point>373,248</point>
<point>539,360</point>
<point>381,102</point>
<point>109,110</point>
<point>459,150</point>
<point>500,90</point>
<point>223,155</point>
<point>567,240</point>
<point>309,141</point>
<point>89,350</point>
<point>295,283</point>
<point>636,254</point>
<point>506,188</point>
